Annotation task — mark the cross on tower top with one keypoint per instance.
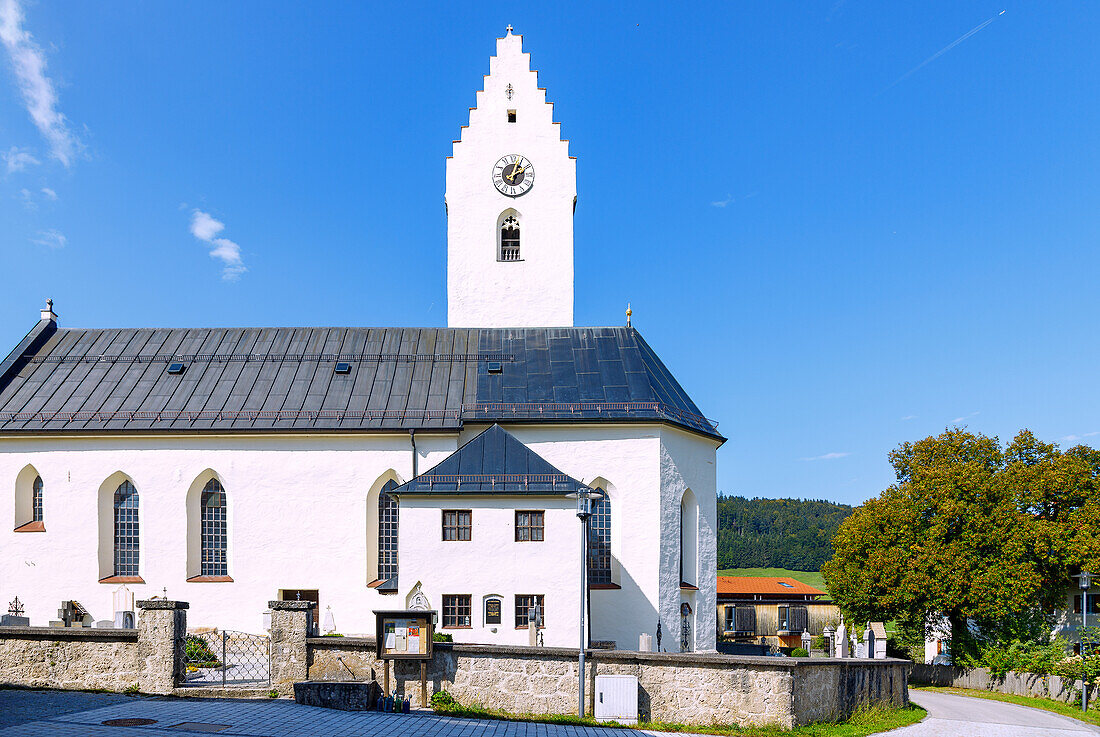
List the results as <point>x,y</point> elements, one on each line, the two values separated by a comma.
<point>509,28</point>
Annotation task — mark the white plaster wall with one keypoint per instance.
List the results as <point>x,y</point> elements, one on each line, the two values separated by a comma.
<point>492,562</point>
<point>688,461</point>
<point>297,519</point>
<point>537,291</point>
<point>300,516</point>
<point>628,458</point>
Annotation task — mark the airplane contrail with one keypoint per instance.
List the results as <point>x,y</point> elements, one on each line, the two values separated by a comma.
<point>944,50</point>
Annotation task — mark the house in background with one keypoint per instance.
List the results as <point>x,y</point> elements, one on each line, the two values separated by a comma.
<point>772,611</point>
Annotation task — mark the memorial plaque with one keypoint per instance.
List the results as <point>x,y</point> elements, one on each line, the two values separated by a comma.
<point>492,611</point>
<point>405,634</point>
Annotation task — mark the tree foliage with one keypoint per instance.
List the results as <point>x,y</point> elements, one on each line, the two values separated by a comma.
<point>971,530</point>
<point>776,533</point>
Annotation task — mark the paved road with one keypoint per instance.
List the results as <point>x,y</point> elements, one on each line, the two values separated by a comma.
<point>962,716</point>
<point>282,718</point>
<point>69,714</point>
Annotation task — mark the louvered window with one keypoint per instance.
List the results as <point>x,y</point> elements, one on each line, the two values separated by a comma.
<point>743,620</point>
<point>509,239</point>
<point>793,618</point>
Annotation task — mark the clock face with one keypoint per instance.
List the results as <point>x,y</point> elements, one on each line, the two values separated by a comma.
<point>513,175</point>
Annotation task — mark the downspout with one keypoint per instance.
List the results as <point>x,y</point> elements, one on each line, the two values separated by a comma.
<point>412,439</point>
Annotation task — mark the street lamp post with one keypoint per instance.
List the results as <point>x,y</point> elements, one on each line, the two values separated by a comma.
<point>584,498</point>
<point>1085,581</point>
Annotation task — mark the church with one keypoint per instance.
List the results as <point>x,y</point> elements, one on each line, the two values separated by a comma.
<point>367,468</point>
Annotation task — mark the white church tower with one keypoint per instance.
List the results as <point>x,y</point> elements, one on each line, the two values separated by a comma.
<point>511,192</point>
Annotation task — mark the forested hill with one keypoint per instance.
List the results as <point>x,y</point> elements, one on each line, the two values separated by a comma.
<point>776,533</point>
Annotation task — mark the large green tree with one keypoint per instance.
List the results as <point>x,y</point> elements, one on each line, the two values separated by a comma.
<point>970,530</point>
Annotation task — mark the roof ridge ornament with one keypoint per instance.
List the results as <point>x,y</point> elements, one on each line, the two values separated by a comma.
<point>48,313</point>
<point>629,312</point>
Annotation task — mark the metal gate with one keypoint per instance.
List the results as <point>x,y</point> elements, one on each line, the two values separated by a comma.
<point>226,658</point>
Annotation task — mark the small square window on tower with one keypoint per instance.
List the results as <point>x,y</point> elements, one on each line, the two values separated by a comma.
<point>511,116</point>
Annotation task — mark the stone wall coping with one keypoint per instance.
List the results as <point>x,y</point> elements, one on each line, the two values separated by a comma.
<point>619,656</point>
<point>293,606</point>
<point>69,633</point>
<point>162,604</point>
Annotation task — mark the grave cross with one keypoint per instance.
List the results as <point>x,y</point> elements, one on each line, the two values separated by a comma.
<point>15,608</point>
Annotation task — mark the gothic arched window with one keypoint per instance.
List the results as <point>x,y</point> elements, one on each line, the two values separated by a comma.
<point>127,550</point>
<point>213,533</point>
<point>599,542</point>
<point>36,499</point>
<point>387,532</point>
<point>509,237</point>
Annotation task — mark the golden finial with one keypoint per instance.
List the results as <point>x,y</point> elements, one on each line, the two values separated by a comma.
<point>629,312</point>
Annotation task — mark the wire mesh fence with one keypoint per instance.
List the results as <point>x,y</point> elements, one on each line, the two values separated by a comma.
<point>226,658</point>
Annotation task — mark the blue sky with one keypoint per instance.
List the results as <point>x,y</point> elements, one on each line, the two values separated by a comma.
<point>833,247</point>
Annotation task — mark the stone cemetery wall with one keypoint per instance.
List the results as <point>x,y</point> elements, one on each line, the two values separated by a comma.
<point>107,659</point>
<point>1018,684</point>
<point>682,688</point>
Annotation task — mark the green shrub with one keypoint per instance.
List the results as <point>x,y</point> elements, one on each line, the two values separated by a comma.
<point>818,642</point>
<point>198,653</point>
<point>132,690</point>
<point>442,637</point>
<point>443,700</point>
<point>272,694</point>
<point>332,634</point>
<point>799,652</point>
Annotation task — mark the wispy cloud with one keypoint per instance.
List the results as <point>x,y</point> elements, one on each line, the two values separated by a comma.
<point>1075,438</point>
<point>50,194</point>
<point>944,50</point>
<point>826,457</point>
<point>723,203</point>
<point>964,418</point>
<point>39,95</point>
<point>18,159</point>
<point>206,228</point>
<point>908,417</point>
<point>50,239</point>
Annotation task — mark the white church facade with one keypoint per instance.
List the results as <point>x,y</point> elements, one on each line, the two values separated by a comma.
<point>362,467</point>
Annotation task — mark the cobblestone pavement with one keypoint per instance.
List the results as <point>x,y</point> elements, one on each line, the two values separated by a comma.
<point>18,706</point>
<point>962,716</point>
<point>282,718</point>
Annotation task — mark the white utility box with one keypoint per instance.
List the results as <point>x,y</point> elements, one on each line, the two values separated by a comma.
<point>617,699</point>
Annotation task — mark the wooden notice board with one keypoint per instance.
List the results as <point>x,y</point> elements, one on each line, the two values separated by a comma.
<point>404,634</point>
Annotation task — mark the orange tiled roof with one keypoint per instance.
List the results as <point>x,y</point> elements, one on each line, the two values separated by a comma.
<point>734,585</point>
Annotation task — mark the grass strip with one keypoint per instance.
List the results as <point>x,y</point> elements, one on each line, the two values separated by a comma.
<point>866,721</point>
<point>1073,711</point>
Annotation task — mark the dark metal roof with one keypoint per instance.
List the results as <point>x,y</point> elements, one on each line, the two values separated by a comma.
<point>494,462</point>
<point>247,379</point>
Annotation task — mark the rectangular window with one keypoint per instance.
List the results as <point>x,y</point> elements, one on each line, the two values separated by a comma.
<point>511,116</point>
<point>784,618</point>
<point>456,524</point>
<point>529,527</point>
<point>524,602</point>
<point>1094,604</point>
<point>456,611</point>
